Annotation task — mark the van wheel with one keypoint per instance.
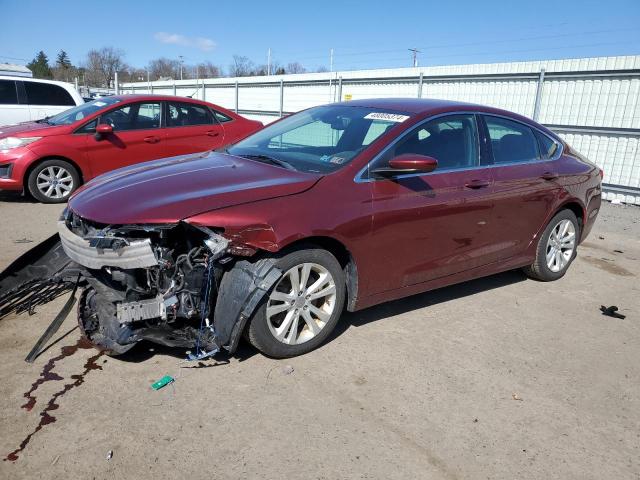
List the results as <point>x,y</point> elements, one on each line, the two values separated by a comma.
<point>302,308</point>
<point>53,181</point>
<point>557,248</point>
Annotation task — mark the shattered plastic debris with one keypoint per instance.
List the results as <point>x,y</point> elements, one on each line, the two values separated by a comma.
<point>163,382</point>
<point>23,240</point>
<point>109,454</point>
<point>287,370</point>
<point>515,396</point>
<point>612,311</point>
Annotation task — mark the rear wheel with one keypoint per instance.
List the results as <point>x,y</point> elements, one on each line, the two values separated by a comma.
<point>557,247</point>
<point>53,181</point>
<point>302,308</point>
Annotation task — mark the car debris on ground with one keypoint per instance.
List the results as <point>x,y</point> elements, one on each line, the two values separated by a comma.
<point>612,311</point>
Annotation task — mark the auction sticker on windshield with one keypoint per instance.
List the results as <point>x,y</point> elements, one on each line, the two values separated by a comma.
<point>389,117</point>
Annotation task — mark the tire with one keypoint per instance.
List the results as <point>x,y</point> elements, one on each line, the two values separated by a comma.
<point>63,180</point>
<point>272,317</point>
<point>545,269</point>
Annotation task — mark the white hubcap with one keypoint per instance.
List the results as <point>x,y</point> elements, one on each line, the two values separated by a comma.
<point>301,303</point>
<point>54,182</point>
<point>560,245</point>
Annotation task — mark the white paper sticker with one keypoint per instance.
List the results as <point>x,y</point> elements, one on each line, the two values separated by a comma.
<point>99,104</point>
<point>389,117</point>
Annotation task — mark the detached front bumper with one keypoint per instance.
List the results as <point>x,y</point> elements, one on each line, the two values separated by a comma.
<point>90,254</point>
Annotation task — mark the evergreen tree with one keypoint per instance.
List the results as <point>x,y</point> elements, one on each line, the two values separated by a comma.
<point>39,66</point>
<point>62,61</point>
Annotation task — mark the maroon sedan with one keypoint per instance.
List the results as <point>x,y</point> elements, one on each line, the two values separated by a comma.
<point>51,157</point>
<point>339,206</point>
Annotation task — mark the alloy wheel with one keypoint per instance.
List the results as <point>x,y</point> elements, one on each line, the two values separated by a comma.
<point>301,303</point>
<point>560,245</point>
<point>54,182</point>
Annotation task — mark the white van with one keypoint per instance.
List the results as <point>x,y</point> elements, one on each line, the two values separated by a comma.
<point>23,99</point>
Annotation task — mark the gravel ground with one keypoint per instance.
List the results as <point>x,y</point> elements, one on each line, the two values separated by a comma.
<point>501,377</point>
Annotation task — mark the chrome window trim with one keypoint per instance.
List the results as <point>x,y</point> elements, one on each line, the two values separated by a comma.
<point>360,178</point>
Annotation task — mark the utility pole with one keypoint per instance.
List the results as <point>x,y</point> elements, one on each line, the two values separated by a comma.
<point>415,56</point>
<point>330,74</point>
<point>181,61</point>
<point>269,62</point>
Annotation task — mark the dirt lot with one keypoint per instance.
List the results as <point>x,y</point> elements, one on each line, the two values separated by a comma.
<point>501,377</point>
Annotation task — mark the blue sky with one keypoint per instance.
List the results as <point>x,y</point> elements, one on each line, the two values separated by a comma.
<point>363,34</point>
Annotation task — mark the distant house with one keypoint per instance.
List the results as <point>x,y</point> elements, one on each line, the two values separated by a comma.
<point>15,70</point>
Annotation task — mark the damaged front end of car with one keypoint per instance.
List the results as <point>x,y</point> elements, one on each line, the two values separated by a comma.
<point>177,285</point>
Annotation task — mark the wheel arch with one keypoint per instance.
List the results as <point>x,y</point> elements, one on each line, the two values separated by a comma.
<point>37,162</point>
<point>344,257</point>
<point>578,210</point>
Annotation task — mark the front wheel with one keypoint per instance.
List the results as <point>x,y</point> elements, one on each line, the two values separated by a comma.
<point>302,308</point>
<point>557,248</point>
<point>53,181</point>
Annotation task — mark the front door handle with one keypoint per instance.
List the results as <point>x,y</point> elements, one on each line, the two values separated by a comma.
<point>549,176</point>
<point>477,184</point>
<point>213,133</point>
<point>151,139</point>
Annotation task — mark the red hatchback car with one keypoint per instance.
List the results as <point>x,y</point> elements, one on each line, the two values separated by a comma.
<point>52,157</point>
<point>339,206</point>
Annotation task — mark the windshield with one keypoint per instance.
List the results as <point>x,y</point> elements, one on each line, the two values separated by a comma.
<point>81,111</point>
<point>321,139</point>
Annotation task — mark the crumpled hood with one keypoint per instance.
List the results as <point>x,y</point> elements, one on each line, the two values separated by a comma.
<point>32,129</point>
<point>172,189</point>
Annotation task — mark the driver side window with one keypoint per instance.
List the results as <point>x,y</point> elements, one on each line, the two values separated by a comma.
<point>137,116</point>
<point>452,140</point>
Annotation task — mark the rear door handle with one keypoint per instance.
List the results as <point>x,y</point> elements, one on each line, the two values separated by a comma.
<point>213,133</point>
<point>151,139</point>
<point>477,184</point>
<point>549,176</point>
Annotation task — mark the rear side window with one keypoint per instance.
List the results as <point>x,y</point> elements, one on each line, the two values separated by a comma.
<point>548,147</point>
<point>188,114</point>
<point>8,93</point>
<point>47,94</point>
<point>221,117</point>
<point>511,141</point>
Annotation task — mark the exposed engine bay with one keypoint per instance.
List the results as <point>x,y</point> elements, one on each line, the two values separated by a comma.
<point>161,283</point>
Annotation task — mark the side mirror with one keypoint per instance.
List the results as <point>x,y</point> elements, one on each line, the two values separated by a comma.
<point>103,129</point>
<point>408,163</point>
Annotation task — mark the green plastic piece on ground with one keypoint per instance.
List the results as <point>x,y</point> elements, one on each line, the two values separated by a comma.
<point>164,381</point>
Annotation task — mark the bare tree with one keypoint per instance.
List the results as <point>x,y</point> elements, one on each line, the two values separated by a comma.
<point>322,69</point>
<point>208,70</point>
<point>102,64</point>
<point>295,67</point>
<point>163,69</point>
<point>241,67</point>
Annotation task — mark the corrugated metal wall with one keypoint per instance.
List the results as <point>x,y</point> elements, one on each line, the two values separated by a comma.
<point>593,103</point>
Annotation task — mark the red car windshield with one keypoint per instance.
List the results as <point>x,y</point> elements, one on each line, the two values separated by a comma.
<point>81,111</point>
<point>321,139</point>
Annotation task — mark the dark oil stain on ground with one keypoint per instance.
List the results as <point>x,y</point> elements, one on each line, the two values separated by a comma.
<point>608,265</point>
<point>48,375</point>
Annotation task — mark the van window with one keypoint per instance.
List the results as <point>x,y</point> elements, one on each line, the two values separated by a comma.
<point>47,94</point>
<point>8,93</point>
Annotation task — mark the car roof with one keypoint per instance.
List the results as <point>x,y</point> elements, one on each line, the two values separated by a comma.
<point>38,80</point>
<point>432,106</point>
<point>151,96</point>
